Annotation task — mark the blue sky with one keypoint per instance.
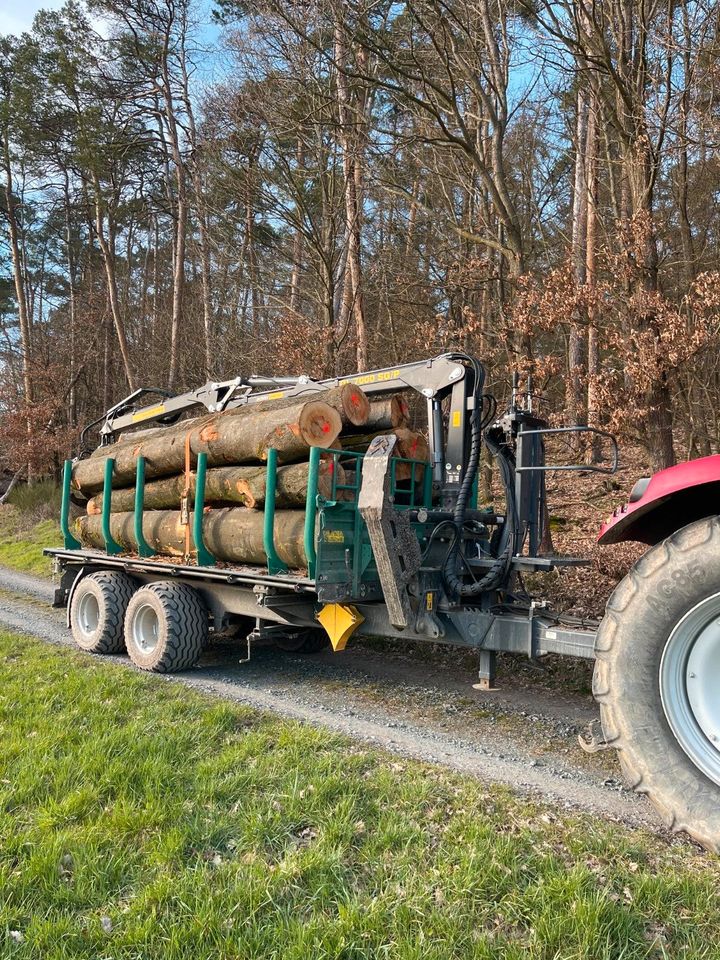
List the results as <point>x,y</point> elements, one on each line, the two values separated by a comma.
<point>17,15</point>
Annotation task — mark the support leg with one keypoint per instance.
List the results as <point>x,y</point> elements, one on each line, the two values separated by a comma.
<point>486,670</point>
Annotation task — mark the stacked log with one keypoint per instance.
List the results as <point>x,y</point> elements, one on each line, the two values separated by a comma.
<point>243,485</point>
<point>233,534</point>
<point>233,437</point>
<point>236,443</point>
<point>388,413</point>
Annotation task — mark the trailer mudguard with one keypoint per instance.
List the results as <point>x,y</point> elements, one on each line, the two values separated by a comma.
<point>665,502</point>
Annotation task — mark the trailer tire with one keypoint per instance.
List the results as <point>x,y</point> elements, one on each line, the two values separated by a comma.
<point>97,611</point>
<point>644,683</point>
<point>166,627</point>
<point>308,641</point>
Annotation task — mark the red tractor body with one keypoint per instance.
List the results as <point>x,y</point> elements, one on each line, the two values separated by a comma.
<point>665,502</point>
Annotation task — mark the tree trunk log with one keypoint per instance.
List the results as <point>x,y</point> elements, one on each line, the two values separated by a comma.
<point>133,436</point>
<point>350,402</point>
<point>388,414</point>
<point>235,436</point>
<point>233,534</point>
<point>244,485</point>
<point>409,446</point>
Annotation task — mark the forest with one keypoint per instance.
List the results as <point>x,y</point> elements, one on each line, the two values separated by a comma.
<point>328,186</point>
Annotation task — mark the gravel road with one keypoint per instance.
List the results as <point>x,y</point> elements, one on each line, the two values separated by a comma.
<point>523,736</point>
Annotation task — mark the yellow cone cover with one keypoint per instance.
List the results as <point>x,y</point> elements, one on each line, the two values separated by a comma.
<point>340,622</point>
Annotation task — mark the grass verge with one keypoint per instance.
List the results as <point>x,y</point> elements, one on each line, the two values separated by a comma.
<point>22,541</point>
<point>141,820</point>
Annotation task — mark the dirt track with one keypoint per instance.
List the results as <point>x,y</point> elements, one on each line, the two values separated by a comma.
<point>524,735</point>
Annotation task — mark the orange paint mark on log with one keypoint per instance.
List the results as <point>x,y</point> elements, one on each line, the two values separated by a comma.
<point>294,428</point>
<point>209,433</point>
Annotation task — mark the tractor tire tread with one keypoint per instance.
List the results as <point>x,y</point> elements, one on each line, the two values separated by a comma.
<point>652,762</point>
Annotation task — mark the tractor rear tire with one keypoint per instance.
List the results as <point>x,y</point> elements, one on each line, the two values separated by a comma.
<point>97,611</point>
<point>166,627</point>
<point>662,615</point>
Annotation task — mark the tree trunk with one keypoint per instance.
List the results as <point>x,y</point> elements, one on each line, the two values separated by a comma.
<point>350,402</point>
<point>18,274</point>
<point>181,199</point>
<point>243,485</point>
<point>573,397</point>
<point>352,169</point>
<point>593,348</point>
<point>233,534</point>
<point>682,173</point>
<point>235,436</point>
<point>201,207</point>
<point>297,244</point>
<point>107,247</point>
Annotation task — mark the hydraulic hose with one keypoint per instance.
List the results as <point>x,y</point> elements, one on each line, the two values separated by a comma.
<point>497,572</point>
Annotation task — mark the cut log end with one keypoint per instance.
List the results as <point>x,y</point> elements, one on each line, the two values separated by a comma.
<point>356,405</point>
<point>319,424</point>
<point>411,445</point>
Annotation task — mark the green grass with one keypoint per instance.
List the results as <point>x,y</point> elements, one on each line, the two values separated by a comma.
<point>139,820</point>
<point>28,523</point>
<point>22,541</point>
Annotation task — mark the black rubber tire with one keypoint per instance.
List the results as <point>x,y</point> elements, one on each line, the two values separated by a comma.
<point>307,641</point>
<point>112,591</point>
<point>182,627</point>
<point>670,579</point>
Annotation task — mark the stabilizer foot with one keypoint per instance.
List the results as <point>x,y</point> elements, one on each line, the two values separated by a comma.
<point>486,671</point>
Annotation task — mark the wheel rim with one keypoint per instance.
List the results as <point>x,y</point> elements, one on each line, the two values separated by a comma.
<point>88,615</point>
<point>690,685</point>
<point>145,628</point>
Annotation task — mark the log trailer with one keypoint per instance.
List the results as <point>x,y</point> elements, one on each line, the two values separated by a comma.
<point>425,561</point>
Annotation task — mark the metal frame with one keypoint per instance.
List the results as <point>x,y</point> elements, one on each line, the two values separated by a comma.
<point>572,467</point>
<point>204,557</point>
<point>427,377</point>
<point>97,561</point>
<point>530,630</point>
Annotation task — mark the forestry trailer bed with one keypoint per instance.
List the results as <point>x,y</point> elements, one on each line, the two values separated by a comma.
<point>421,560</point>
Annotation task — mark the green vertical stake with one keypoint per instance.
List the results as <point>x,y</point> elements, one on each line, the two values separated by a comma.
<point>274,563</point>
<point>311,510</point>
<point>204,557</point>
<point>143,547</point>
<point>111,546</point>
<point>71,542</point>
